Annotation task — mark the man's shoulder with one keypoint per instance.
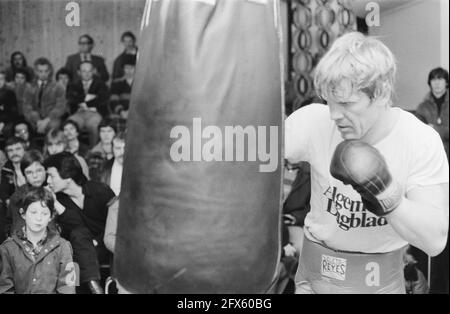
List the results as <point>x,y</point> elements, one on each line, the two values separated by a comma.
<point>73,57</point>
<point>312,111</point>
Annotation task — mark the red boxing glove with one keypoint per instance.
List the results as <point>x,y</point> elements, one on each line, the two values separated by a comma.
<point>364,168</point>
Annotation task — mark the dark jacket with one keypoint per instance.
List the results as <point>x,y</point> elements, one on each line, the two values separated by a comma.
<point>8,181</point>
<point>428,110</point>
<point>76,95</point>
<point>53,102</point>
<point>50,271</point>
<point>105,174</point>
<point>8,105</point>
<point>118,66</point>
<point>120,95</point>
<point>73,62</point>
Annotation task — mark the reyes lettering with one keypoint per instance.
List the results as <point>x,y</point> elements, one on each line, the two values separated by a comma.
<point>350,213</point>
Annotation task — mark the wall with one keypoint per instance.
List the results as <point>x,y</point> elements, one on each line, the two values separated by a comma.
<point>413,32</point>
<point>38,28</point>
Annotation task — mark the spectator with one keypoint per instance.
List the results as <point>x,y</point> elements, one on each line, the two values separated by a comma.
<point>71,132</point>
<point>8,104</point>
<point>107,131</point>
<point>63,77</point>
<point>112,169</point>
<point>36,259</point>
<point>88,101</point>
<point>129,42</point>
<point>435,111</point>
<point>86,44</point>
<point>20,85</point>
<point>121,88</point>
<point>434,108</point>
<point>23,130</point>
<point>32,167</point>
<point>55,142</point>
<point>84,216</point>
<point>18,61</point>
<point>103,151</point>
<point>11,174</point>
<point>45,102</point>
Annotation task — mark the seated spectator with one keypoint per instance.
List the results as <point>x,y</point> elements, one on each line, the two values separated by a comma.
<point>112,169</point>
<point>63,77</point>
<point>19,85</point>
<point>85,46</point>
<point>84,216</point>
<point>36,259</point>
<point>55,142</point>
<point>32,167</point>
<point>18,61</point>
<point>434,108</point>
<point>11,177</point>
<point>107,131</point>
<point>88,101</point>
<point>129,42</point>
<point>8,104</point>
<point>22,129</point>
<point>103,151</point>
<point>45,102</point>
<point>121,88</point>
<point>71,132</point>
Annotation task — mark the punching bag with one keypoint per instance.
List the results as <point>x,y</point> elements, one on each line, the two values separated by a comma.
<point>201,191</point>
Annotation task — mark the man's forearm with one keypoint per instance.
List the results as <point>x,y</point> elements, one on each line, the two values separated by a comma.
<point>422,225</point>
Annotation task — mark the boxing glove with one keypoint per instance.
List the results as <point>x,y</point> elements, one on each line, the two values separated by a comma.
<point>364,168</point>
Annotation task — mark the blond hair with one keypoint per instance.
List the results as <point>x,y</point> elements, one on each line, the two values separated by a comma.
<point>362,63</point>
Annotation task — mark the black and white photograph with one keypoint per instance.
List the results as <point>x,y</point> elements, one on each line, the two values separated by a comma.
<point>224,152</point>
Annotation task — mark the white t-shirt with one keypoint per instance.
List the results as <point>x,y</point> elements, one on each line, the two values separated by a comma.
<point>116,177</point>
<point>414,154</point>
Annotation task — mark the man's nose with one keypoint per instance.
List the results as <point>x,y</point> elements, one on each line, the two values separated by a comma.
<point>335,112</point>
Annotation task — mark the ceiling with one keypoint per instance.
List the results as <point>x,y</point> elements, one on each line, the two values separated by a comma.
<point>359,6</point>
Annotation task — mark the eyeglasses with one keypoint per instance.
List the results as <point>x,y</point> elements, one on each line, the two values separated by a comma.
<point>84,43</point>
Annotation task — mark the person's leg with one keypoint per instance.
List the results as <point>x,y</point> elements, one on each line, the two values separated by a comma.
<point>84,254</point>
<point>79,118</point>
<point>93,119</point>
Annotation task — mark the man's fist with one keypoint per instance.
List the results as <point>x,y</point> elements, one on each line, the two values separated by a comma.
<point>363,167</point>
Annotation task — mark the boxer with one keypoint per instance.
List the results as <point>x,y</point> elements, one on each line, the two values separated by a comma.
<point>379,176</point>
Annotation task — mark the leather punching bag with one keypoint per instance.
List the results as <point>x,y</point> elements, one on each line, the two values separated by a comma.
<point>200,206</point>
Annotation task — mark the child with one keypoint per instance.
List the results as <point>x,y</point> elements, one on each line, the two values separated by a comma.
<point>36,259</point>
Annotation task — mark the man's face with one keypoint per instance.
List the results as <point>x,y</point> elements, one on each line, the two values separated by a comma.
<point>70,132</point>
<point>438,86</point>
<point>86,71</point>
<point>128,42</point>
<point>128,69</point>
<point>118,150</point>
<point>18,60</point>
<point>35,174</point>
<point>55,182</point>
<point>20,79</point>
<point>37,217</point>
<point>21,130</point>
<point>42,71</point>
<point>354,114</point>
<point>107,134</point>
<point>55,147</point>
<point>2,80</point>
<point>63,79</point>
<point>84,45</point>
<point>15,152</point>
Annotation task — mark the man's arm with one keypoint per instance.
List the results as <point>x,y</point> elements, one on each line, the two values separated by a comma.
<point>422,218</point>
<point>31,115</point>
<point>60,103</point>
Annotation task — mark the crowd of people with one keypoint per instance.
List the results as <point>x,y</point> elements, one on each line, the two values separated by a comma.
<point>62,140</point>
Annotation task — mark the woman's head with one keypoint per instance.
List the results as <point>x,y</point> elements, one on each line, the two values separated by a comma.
<point>55,142</point>
<point>32,167</point>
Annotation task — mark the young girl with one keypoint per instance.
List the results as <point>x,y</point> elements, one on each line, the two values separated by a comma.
<point>36,259</point>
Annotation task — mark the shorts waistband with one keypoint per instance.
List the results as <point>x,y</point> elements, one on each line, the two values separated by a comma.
<point>354,272</point>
